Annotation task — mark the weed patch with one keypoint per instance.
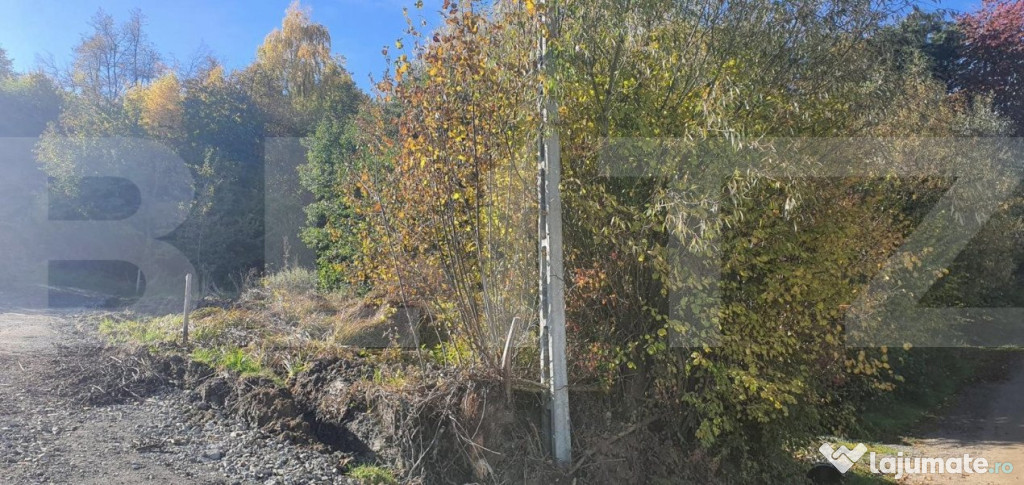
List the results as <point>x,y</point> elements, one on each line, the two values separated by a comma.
<point>373,475</point>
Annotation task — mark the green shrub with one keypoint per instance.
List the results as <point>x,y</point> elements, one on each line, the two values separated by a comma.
<point>206,356</point>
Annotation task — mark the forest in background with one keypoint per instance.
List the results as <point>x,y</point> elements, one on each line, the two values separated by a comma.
<point>424,193</point>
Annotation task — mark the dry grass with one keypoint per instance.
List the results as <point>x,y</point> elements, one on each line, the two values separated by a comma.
<point>279,324</point>
<point>97,375</point>
<point>435,420</point>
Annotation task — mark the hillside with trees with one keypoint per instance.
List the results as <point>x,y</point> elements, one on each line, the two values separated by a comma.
<point>746,187</point>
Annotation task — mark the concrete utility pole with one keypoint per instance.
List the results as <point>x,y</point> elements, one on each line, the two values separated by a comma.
<point>552,284</point>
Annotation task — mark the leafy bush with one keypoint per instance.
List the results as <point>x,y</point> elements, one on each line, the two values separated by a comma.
<point>331,223</point>
<point>445,203</point>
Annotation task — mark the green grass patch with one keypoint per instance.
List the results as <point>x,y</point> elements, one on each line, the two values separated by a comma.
<point>209,357</point>
<point>373,475</point>
<point>150,332</point>
<point>899,417</point>
<point>230,358</point>
<point>238,361</point>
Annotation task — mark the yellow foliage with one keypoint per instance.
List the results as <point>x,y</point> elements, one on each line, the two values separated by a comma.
<point>161,106</point>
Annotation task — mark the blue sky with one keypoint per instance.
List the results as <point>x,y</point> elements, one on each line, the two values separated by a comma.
<point>231,29</point>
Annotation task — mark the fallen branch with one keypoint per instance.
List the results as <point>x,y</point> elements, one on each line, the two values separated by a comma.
<point>526,385</point>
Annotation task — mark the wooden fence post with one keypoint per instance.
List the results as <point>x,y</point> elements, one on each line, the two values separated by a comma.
<point>188,307</point>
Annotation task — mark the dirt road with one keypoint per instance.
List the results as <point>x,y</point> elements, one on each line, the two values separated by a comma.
<point>162,439</point>
<point>987,421</point>
<point>44,440</point>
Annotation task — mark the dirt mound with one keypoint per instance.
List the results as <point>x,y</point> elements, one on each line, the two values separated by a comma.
<point>214,391</point>
<point>442,427</point>
<point>270,408</point>
<point>438,427</point>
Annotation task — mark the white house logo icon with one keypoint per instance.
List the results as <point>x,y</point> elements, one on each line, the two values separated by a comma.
<point>843,458</point>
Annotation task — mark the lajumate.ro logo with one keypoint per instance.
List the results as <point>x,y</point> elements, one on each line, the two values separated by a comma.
<point>844,459</point>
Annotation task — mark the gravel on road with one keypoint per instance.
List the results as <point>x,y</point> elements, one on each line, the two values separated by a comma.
<point>165,438</point>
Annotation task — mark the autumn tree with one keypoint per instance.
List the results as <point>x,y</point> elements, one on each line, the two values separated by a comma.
<point>107,63</point>
<point>439,181</point>
<point>444,199</point>
<point>113,58</point>
<point>158,107</point>
<point>993,56</point>
<point>297,79</point>
<point>972,54</point>
<point>929,37</point>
